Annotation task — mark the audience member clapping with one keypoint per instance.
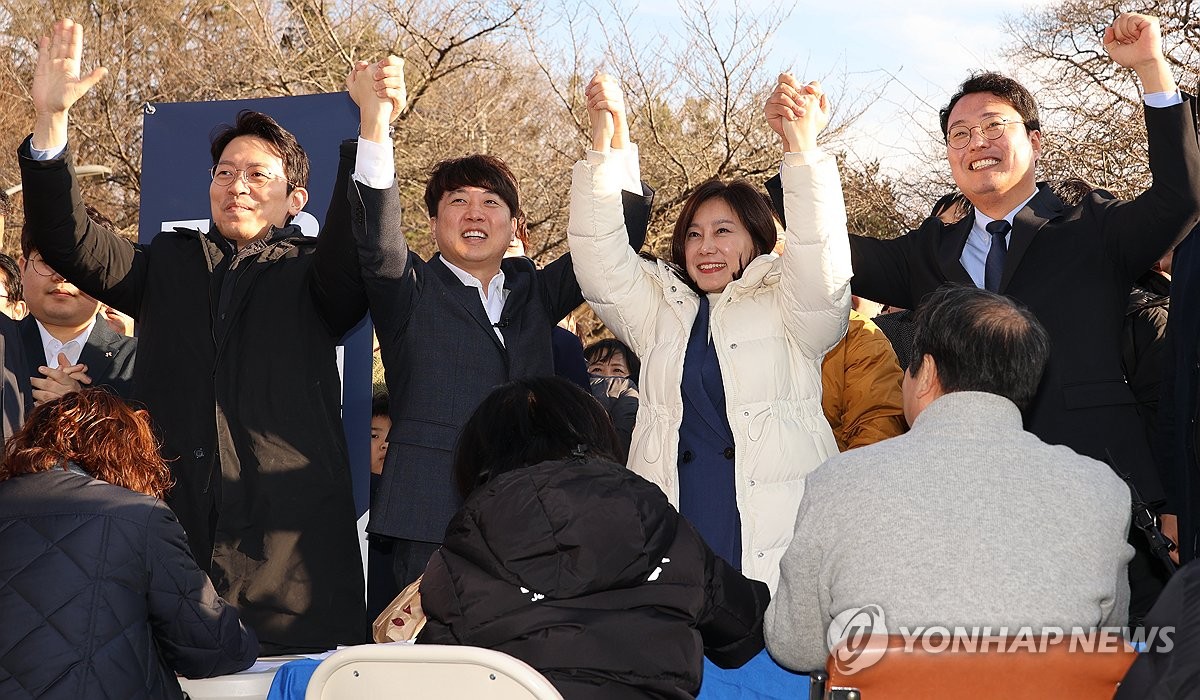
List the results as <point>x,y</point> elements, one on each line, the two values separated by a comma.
<point>612,372</point>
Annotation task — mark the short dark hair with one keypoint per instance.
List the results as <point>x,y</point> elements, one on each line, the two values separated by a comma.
<point>281,141</point>
<point>528,422</point>
<point>1001,86</point>
<point>952,208</point>
<point>26,239</point>
<point>379,404</point>
<point>604,349</point>
<point>478,170</point>
<point>12,278</point>
<point>980,341</point>
<point>746,202</point>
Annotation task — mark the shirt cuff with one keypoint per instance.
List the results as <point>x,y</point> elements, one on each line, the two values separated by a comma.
<point>802,157</point>
<point>1158,100</point>
<point>375,166</point>
<point>51,154</point>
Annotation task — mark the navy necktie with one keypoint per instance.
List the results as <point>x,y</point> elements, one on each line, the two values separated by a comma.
<point>993,266</point>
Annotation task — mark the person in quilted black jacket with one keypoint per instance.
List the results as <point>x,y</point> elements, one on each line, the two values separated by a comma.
<point>582,569</point>
<point>99,594</point>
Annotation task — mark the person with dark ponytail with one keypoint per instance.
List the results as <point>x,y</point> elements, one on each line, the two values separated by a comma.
<point>560,556</point>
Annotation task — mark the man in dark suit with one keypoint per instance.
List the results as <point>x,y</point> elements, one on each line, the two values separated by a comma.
<point>1071,265</point>
<point>451,328</point>
<point>63,324</point>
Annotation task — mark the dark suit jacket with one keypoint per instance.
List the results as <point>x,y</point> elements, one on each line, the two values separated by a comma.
<point>1073,267</point>
<point>15,391</point>
<point>108,355</point>
<point>441,355</point>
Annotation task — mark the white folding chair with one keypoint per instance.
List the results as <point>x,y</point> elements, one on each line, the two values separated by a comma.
<point>426,671</point>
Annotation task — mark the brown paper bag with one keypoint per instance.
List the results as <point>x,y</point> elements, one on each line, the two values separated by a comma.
<point>403,618</point>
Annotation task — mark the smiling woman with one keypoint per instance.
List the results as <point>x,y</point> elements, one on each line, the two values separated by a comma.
<point>723,226</point>
<point>729,432</point>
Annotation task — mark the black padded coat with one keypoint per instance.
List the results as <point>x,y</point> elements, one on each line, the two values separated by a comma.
<point>583,570</point>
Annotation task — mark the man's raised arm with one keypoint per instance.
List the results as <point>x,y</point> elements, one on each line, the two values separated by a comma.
<point>97,260</point>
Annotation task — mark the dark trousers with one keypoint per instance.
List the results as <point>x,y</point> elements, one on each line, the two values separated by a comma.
<point>1147,577</point>
<point>381,581</point>
<point>409,558</point>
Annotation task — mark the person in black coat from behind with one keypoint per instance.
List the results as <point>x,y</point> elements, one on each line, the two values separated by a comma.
<point>99,594</point>
<point>566,560</point>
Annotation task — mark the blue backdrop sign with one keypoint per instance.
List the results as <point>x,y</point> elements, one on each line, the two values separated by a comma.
<point>175,181</point>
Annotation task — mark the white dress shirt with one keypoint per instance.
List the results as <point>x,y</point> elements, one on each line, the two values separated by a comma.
<point>72,348</point>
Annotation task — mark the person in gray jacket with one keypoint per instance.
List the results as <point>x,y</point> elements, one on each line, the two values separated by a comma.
<point>961,521</point>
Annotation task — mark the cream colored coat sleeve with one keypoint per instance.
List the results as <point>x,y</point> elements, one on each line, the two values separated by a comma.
<point>816,261</point>
<point>614,279</point>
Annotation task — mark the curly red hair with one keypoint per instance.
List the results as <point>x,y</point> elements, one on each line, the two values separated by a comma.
<point>97,431</point>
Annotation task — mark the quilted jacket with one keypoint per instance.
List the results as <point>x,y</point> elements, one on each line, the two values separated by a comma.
<point>100,596</point>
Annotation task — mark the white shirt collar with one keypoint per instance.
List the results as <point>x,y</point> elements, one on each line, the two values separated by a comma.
<point>51,346</point>
<point>473,281</point>
<point>493,300</point>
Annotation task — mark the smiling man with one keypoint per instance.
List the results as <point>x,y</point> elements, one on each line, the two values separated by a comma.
<point>452,328</point>
<point>239,326</point>
<point>1072,266</point>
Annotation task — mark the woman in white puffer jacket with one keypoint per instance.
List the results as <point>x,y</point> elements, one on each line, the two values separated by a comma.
<point>731,336</point>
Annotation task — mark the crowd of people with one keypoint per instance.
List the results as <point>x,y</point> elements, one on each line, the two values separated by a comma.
<point>751,457</point>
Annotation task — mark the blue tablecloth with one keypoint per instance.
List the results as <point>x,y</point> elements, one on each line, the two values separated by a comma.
<point>760,679</point>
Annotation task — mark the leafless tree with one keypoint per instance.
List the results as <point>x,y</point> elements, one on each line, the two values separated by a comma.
<point>1092,109</point>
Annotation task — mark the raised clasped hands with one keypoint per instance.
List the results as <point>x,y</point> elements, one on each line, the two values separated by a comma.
<point>606,112</point>
<point>797,112</point>
<point>379,91</point>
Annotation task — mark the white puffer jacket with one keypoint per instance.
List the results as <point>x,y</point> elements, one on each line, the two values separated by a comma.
<point>771,329</point>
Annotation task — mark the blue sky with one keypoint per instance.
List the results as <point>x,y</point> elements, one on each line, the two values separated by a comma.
<point>915,51</point>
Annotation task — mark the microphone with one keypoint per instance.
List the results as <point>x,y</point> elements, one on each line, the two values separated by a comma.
<point>502,323</point>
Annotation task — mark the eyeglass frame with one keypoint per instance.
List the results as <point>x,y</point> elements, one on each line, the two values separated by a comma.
<point>39,263</point>
<point>1004,123</point>
<point>242,173</point>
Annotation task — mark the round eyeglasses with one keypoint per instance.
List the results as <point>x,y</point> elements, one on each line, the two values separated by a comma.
<point>255,178</point>
<point>960,135</point>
